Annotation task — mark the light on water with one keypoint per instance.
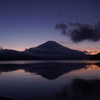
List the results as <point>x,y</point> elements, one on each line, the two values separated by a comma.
<point>45,80</point>
<point>49,61</point>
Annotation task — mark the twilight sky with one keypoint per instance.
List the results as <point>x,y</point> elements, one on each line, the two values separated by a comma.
<point>28,23</point>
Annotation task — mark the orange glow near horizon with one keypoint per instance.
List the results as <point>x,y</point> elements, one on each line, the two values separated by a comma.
<point>86,72</point>
<point>87,51</point>
<point>92,66</point>
<point>71,46</point>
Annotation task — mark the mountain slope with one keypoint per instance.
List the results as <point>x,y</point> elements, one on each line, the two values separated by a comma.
<point>95,57</point>
<point>48,51</point>
<point>54,50</point>
<point>7,54</point>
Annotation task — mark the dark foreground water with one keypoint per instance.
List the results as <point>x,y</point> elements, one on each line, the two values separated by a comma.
<point>50,80</point>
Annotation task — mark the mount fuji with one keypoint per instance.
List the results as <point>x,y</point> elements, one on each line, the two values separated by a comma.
<point>50,50</point>
<point>53,50</point>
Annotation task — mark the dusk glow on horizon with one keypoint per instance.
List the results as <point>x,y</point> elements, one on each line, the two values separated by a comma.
<point>29,23</point>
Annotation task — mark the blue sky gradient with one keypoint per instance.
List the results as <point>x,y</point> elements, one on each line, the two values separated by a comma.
<point>28,23</point>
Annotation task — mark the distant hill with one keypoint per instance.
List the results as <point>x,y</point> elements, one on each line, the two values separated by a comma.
<point>95,57</point>
<point>50,50</point>
<point>7,54</point>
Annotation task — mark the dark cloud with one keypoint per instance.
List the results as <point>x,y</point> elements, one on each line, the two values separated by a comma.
<point>74,24</point>
<point>81,32</point>
<point>62,27</point>
<point>85,32</point>
<point>79,25</point>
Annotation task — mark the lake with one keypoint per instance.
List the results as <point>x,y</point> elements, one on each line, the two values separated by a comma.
<point>50,80</point>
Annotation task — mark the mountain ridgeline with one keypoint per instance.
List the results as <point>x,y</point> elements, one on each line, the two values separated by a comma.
<point>95,57</point>
<point>50,50</point>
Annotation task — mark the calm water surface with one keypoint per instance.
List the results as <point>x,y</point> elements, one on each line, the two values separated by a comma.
<point>48,80</point>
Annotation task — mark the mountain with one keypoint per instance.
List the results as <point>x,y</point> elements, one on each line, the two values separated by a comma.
<point>53,50</point>
<point>50,50</point>
<point>95,57</point>
<point>6,54</point>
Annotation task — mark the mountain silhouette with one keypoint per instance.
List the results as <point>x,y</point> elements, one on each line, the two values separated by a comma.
<point>95,57</point>
<point>53,50</point>
<point>50,50</point>
<point>50,47</point>
<point>7,54</point>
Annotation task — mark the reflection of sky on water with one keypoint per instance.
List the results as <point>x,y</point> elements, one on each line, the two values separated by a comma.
<point>50,61</point>
<point>89,72</point>
<point>42,80</point>
<point>50,69</point>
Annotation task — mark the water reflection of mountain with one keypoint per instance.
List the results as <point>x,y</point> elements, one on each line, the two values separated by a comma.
<point>46,70</point>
